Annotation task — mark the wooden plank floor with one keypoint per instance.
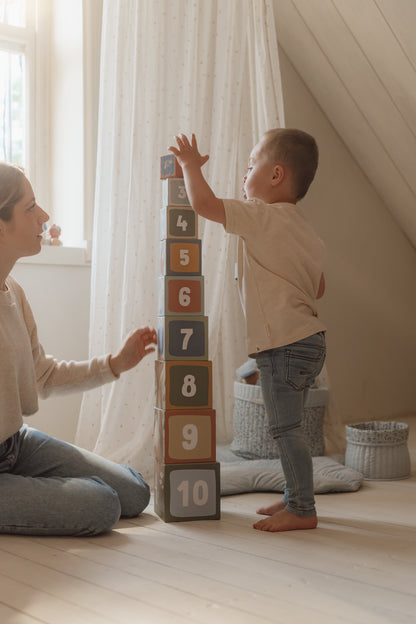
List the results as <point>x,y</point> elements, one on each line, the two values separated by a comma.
<point>359,566</point>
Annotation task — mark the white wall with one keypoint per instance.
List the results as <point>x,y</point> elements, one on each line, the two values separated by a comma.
<point>60,297</point>
<point>370,303</point>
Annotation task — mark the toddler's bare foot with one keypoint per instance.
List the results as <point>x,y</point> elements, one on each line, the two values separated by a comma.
<point>285,521</point>
<point>271,509</point>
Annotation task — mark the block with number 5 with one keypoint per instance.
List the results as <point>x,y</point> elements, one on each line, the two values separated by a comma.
<point>180,257</point>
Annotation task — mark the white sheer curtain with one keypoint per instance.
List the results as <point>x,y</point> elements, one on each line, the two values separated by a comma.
<point>169,66</point>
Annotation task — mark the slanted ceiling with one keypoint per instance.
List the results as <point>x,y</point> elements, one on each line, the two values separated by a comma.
<point>358,58</point>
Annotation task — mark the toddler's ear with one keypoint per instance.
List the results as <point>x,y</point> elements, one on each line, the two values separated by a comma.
<point>278,174</point>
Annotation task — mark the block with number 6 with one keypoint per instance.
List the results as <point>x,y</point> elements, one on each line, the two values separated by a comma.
<point>181,295</point>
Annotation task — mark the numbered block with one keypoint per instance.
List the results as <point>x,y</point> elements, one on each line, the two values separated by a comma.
<point>181,338</point>
<point>169,167</point>
<point>181,295</point>
<point>184,385</point>
<point>174,192</point>
<point>183,436</point>
<point>178,222</point>
<point>180,257</point>
<point>186,492</point>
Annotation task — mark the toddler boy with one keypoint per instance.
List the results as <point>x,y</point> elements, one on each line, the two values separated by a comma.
<point>280,270</point>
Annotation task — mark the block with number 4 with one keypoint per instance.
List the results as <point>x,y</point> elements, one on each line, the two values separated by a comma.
<point>178,222</point>
<point>187,491</point>
<point>181,295</point>
<point>182,337</point>
<point>180,257</point>
<point>183,384</point>
<point>184,436</point>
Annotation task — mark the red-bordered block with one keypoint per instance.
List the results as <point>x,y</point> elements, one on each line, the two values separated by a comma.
<point>181,295</point>
<point>174,192</point>
<point>180,257</point>
<point>186,492</point>
<point>183,436</point>
<point>178,222</point>
<point>183,385</point>
<point>182,337</point>
<point>169,167</point>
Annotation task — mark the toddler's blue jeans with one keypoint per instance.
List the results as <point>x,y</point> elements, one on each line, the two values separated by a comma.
<point>285,375</point>
<point>50,487</point>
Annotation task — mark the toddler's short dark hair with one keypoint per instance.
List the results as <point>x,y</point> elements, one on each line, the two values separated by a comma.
<point>298,151</point>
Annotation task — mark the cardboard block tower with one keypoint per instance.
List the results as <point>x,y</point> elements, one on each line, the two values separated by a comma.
<point>187,476</point>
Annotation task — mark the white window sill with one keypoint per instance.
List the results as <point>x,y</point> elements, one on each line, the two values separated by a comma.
<point>69,256</point>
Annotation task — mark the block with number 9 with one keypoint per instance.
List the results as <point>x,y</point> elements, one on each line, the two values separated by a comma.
<point>184,436</point>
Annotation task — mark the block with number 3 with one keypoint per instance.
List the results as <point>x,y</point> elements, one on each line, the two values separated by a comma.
<point>174,192</point>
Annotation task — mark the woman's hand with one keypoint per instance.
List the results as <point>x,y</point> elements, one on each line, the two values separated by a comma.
<point>136,347</point>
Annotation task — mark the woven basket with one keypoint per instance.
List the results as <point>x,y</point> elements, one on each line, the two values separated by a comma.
<point>252,438</point>
<point>378,449</point>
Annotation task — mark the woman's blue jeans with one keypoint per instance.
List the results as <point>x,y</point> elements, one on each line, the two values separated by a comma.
<point>49,487</point>
<point>285,375</point>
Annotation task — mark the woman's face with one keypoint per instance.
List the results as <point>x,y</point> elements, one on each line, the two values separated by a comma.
<point>22,235</point>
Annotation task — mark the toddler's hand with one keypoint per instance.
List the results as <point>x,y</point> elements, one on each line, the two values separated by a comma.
<point>187,152</point>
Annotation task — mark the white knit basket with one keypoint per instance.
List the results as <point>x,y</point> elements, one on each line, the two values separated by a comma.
<point>252,438</point>
<point>378,449</point>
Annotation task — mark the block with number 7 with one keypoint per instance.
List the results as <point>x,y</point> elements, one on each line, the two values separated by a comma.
<point>182,337</point>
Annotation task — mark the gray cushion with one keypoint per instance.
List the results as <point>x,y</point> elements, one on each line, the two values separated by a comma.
<point>265,475</point>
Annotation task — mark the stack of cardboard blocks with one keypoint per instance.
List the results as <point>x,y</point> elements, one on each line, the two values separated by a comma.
<point>187,476</point>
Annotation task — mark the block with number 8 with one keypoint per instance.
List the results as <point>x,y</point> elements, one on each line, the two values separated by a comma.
<point>183,384</point>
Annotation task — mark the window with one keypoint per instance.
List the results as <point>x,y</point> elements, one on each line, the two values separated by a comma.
<point>49,77</point>
<point>16,80</point>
